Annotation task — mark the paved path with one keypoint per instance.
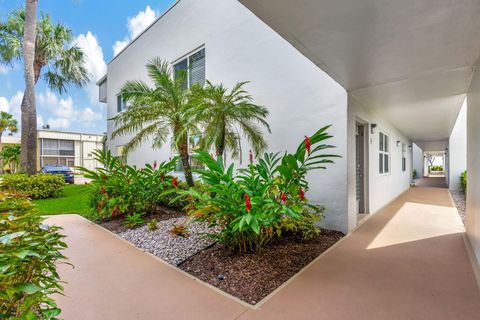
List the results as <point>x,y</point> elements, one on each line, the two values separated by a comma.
<point>406,262</point>
<point>432,182</point>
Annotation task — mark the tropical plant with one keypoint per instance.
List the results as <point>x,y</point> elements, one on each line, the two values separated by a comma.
<point>37,186</point>
<point>152,225</point>
<point>414,174</point>
<point>43,46</point>
<point>463,181</point>
<point>224,114</point>
<point>119,189</point>
<point>436,168</point>
<point>10,156</point>
<point>29,254</point>
<point>261,201</point>
<point>155,112</point>
<point>7,122</point>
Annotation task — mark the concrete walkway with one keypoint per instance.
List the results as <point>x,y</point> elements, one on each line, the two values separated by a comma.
<point>408,261</point>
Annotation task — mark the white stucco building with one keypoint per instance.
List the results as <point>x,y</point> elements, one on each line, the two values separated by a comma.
<point>307,77</point>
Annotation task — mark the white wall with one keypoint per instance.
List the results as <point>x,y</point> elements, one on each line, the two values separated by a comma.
<point>418,160</point>
<point>382,187</point>
<point>240,47</point>
<point>473,164</point>
<point>457,149</point>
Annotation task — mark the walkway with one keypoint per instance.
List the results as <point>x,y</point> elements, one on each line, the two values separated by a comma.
<point>408,261</point>
<point>432,182</point>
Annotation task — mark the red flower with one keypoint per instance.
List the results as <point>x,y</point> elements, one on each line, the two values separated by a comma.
<point>301,194</point>
<point>162,176</point>
<point>155,164</point>
<point>115,211</point>
<point>283,196</point>
<point>248,203</point>
<point>307,143</point>
<point>103,190</point>
<point>175,182</point>
<point>104,178</point>
<point>250,156</point>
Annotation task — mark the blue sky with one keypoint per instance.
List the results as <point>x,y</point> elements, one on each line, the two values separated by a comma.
<point>100,27</point>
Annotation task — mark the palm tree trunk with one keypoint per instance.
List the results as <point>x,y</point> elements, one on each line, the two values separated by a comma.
<point>28,108</point>
<point>220,145</point>
<point>187,170</point>
<point>1,158</point>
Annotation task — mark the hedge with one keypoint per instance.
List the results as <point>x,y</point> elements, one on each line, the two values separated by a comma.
<point>38,186</point>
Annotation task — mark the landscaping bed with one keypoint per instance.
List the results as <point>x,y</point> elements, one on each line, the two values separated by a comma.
<point>251,277</point>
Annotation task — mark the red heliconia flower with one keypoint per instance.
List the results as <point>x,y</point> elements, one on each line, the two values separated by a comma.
<point>301,194</point>
<point>104,178</point>
<point>307,143</point>
<point>103,190</point>
<point>250,156</point>
<point>155,164</point>
<point>248,203</point>
<point>162,176</point>
<point>175,182</point>
<point>283,196</point>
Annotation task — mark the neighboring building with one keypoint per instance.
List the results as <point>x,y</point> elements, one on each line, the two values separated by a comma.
<point>71,149</point>
<point>224,42</point>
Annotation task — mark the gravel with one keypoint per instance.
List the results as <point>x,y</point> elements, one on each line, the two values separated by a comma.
<point>174,249</point>
<point>460,202</point>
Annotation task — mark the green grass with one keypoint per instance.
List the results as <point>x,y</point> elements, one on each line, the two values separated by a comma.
<point>75,199</point>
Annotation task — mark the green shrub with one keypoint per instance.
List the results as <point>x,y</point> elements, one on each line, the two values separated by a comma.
<point>414,174</point>
<point>251,207</point>
<point>38,186</point>
<point>463,181</point>
<point>436,168</point>
<point>29,251</point>
<point>123,190</point>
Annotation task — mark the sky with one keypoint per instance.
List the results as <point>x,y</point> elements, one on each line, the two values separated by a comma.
<point>101,28</point>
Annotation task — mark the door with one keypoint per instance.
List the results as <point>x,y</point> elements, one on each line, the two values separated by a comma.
<point>360,167</point>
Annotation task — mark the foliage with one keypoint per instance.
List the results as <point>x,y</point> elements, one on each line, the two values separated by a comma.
<point>155,113</point>
<point>55,51</point>
<point>7,122</point>
<point>74,199</point>
<point>259,202</point>
<point>29,252</point>
<point>133,220</point>
<point>222,113</point>
<point>463,181</point>
<point>414,174</point>
<point>152,225</point>
<point>11,157</point>
<point>180,230</point>
<point>119,189</point>
<point>436,168</point>
<point>38,186</point>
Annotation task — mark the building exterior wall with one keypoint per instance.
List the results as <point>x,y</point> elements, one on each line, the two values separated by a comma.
<point>473,164</point>
<point>418,160</point>
<point>382,188</point>
<point>239,47</point>
<point>457,149</point>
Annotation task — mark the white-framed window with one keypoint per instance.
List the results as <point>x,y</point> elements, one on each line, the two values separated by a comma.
<point>384,153</point>
<point>404,157</point>
<point>194,66</point>
<point>121,103</point>
<point>193,141</point>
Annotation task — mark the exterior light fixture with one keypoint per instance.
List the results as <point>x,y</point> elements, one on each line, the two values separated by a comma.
<point>409,147</point>
<point>373,128</point>
<point>398,143</point>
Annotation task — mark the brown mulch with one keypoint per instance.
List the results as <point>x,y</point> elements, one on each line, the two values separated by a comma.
<point>251,277</point>
<point>161,213</point>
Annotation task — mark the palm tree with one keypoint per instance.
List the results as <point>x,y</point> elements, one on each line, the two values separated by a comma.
<point>47,49</point>
<point>155,112</point>
<point>28,108</point>
<point>7,122</point>
<point>10,155</point>
<point>224,113</point>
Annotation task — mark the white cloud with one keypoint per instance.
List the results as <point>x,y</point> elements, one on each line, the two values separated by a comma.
<point>94,63</point>
<point>13,105</point>
<point>135,26</point>
<point>4,69</point>
<point>40,121</point>
<point>64,112</point>
<point>4,105</point>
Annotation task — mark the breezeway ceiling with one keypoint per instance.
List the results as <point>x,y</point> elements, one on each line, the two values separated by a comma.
<point>410,60</point>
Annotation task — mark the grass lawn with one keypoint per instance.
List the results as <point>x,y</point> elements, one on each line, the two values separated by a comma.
<point>74,200</point>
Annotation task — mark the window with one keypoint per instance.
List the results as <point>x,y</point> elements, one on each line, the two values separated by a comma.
<point>193,141</point>
<point>53,147</point>
<point>384,153</point>
<point>121,104</point>
<point>404,157</point>
<point>194,66</point>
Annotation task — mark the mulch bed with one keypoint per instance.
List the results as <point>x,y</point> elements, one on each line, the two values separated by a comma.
<point>251,277</point>
<point>161,213</point>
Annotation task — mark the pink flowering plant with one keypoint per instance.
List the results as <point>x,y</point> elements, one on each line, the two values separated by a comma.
<point>251,206</point>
